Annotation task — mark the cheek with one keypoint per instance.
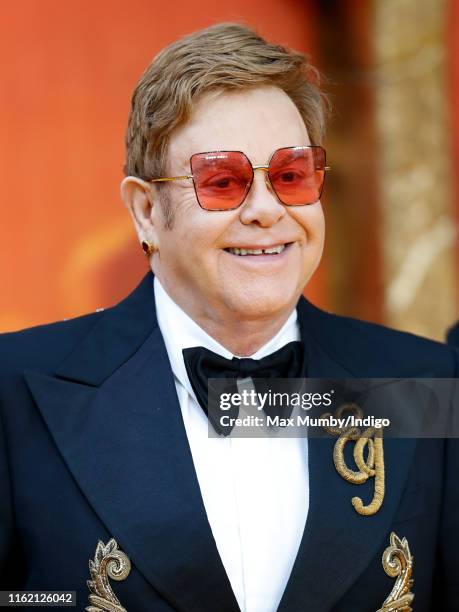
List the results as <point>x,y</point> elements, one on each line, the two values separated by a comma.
<point>312,222</point>
<point>195,235</point>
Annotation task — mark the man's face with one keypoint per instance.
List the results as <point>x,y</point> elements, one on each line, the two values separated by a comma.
<point>194,263</point>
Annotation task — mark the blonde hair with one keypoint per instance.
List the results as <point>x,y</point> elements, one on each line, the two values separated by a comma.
<point>225,56</point>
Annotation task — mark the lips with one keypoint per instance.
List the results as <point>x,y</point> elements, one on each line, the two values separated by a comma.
<point>258,250</point>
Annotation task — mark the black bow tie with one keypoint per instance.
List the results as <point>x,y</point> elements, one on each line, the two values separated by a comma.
<point>202,364</point>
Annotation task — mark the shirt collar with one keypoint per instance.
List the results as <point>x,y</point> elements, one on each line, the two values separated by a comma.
<point>180,331</point>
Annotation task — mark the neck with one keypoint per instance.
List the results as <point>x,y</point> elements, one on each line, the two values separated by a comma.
<point>242,337</point>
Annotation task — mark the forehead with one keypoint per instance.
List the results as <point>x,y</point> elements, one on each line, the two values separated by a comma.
<point>256,121</point>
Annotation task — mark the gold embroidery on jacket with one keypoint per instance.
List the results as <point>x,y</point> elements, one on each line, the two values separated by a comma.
<point>109,562</point>
<point>372,467</point>
<point>398,562</point>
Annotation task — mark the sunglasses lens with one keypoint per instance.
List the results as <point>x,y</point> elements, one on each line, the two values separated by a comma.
<point>297,174</point>
<point>221,179</point>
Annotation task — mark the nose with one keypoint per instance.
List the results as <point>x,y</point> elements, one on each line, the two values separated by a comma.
<point>261,205</point>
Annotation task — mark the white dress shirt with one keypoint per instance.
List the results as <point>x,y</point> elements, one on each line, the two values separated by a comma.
<point>255,490</point>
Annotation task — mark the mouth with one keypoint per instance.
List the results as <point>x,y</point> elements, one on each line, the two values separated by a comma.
<point>259,251</point>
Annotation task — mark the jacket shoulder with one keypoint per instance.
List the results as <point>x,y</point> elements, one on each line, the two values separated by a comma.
<point>43,346</point>
<point>375,344</point>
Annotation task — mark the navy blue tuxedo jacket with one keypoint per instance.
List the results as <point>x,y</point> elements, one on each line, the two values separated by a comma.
<point>93,447</point>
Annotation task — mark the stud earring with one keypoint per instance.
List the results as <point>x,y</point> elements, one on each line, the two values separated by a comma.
<point>148,248</point>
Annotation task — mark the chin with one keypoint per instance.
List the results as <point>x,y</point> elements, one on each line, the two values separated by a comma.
<point>260,305</point>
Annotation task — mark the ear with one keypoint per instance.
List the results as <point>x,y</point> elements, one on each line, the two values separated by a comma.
<point>137,196</point>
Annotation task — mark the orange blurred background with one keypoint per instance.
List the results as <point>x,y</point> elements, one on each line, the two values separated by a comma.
<point>68,73</point>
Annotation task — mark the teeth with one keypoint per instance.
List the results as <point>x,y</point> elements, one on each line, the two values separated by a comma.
<point>277,249</point>
<point>270,251</point>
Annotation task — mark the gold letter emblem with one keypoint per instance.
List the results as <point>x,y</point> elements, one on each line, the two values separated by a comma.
<point>372,467</point>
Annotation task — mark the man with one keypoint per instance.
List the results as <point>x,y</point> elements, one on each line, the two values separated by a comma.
<point>105,431</point>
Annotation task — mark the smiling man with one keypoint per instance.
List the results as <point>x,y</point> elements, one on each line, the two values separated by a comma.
<point>105,424</point>
<point>238,262</point>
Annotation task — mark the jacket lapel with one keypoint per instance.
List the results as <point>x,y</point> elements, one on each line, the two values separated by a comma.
<point>113,412</point>
<point>337,543</point>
